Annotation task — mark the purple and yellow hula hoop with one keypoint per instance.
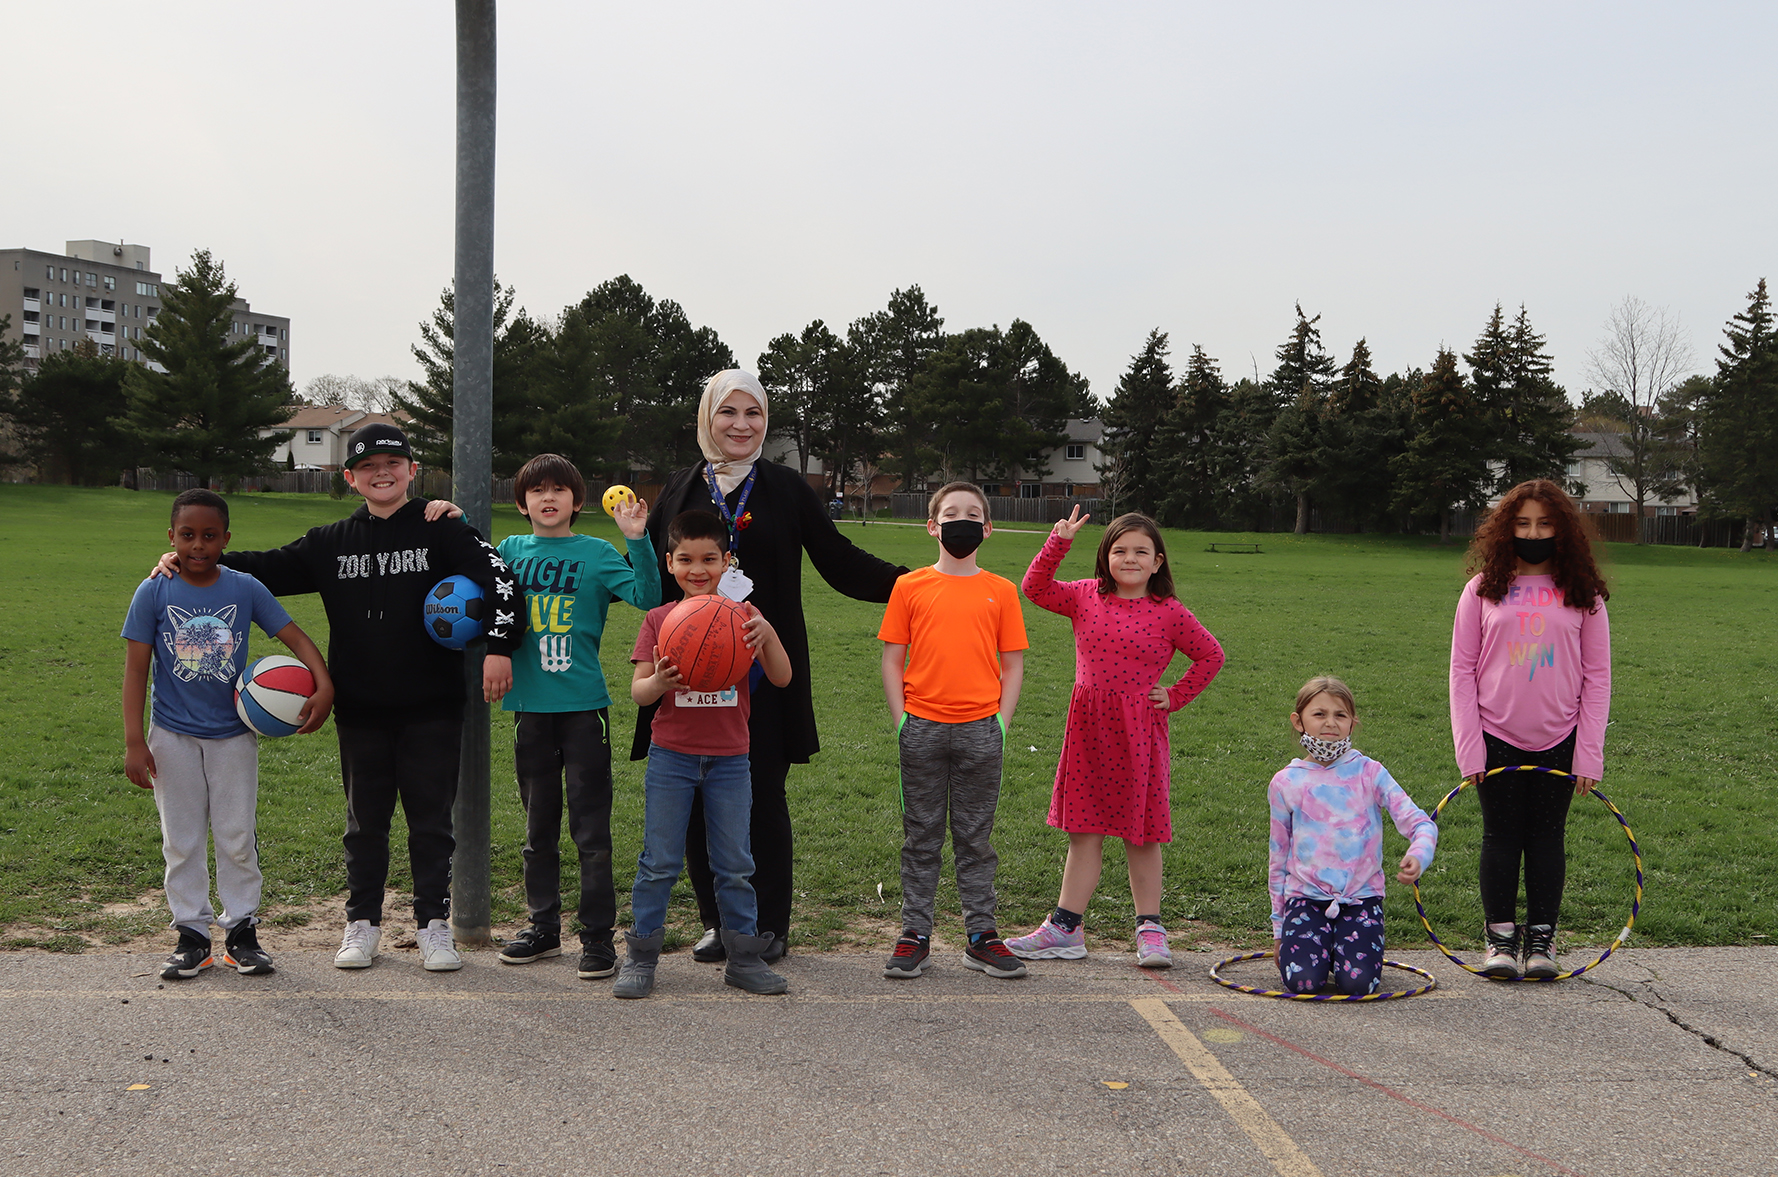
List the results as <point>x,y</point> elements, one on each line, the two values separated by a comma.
<point>1635,904</point>
<point>1382,995</point>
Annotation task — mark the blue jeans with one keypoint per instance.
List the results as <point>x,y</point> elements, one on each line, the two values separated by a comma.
<point>670,782</point>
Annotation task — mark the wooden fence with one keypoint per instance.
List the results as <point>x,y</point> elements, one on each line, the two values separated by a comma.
<point>1002,508</point>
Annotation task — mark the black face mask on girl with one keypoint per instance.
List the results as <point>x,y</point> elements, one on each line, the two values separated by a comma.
<point>960,536</point>
<point>1534,551</point>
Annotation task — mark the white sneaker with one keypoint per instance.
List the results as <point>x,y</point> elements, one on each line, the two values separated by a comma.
<point>438,951</point>
<point>359,945</point>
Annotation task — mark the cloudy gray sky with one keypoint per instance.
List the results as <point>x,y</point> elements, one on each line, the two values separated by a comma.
<point>1097,170</point>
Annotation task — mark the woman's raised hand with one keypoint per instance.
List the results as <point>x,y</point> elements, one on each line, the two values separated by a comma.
<point>1067,528</point>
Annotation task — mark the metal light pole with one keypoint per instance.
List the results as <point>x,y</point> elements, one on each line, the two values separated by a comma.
<point>472,415</point>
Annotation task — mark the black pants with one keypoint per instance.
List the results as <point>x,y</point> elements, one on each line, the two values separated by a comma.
<point>567,755</point>
<point>770,838</point>
<point>415,761</point>
<point>1524,818</point>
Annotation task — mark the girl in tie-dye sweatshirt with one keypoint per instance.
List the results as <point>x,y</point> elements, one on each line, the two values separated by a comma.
<point>1326,873</point>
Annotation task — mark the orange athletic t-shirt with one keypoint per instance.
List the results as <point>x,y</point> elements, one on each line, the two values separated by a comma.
<point>955,628</point>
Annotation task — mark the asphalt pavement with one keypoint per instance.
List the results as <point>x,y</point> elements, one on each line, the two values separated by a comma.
<point>1661,1062</point>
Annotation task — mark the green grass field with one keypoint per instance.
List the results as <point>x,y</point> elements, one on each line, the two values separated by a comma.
<point>1686,756</point>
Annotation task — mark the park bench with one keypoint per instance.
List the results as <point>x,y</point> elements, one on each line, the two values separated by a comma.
<point>1244,549</point>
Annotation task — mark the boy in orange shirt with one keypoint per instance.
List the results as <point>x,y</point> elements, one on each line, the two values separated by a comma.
<point>953,662</point>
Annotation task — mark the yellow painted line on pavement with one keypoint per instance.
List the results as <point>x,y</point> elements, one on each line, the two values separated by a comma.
<point>1243,1109</point>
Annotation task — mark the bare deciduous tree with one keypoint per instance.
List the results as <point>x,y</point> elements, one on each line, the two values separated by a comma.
<point>353,392</point>
<point>1643,356</point>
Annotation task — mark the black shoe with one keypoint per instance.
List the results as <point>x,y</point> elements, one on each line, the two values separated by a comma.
<point>990,955</point>
<point>775,951</point>
<point>534,943</point>
<point>241,950</point>
<point>190,958</point>
<point>909,958</point>
<point>709,949</point>
<point>597,959</point>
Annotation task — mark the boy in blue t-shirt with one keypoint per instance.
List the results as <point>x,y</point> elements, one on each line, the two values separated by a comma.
<point>199,758</point>
<point>562,744</point>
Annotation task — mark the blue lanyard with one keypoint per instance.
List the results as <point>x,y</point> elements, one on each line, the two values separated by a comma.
<point>728,517</point>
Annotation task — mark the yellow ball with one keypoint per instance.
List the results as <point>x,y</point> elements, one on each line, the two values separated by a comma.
<point>614,496</point>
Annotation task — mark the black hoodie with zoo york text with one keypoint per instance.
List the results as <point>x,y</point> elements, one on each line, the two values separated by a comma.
<point>373,575</point>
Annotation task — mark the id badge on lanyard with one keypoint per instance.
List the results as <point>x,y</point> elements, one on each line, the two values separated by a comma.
<point>735,584</point>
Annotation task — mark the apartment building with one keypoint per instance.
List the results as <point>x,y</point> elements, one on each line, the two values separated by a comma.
<point>108,292</point>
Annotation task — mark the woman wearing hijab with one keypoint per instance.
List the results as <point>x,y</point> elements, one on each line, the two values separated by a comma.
<point>773,517</point>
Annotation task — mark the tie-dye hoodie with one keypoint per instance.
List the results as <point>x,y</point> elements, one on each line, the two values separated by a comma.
<point>1327,835</point>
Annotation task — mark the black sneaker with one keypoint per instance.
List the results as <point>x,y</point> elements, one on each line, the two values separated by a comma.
<point>534,943</point>
<point>909,959</point>
<point>597,959</point>
<point>990,955</point>
<point>190,958</point>
<point>242,951</point>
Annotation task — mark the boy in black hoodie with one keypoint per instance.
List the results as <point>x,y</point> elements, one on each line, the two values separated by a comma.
<point>398,703</point>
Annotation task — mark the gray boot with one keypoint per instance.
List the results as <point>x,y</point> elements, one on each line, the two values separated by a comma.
<point>636,977</point>
<point>745,970</point>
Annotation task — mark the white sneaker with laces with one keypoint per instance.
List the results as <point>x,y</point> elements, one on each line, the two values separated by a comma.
<point>359,945</point>
<point>438,950</point>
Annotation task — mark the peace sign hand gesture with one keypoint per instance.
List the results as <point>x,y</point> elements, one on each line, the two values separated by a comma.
<point>1067,528</point>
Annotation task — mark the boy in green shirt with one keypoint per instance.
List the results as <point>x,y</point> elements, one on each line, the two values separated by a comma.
<point>562,745</point>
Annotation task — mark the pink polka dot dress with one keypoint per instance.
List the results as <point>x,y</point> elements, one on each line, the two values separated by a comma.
<point>1115,770</point>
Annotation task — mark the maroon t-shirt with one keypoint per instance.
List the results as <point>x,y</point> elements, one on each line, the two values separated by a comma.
<point>697,723</point>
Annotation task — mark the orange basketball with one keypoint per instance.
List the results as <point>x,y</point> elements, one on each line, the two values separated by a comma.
<point>702,636</point>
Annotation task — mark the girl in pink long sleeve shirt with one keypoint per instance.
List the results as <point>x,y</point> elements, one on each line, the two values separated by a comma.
<point>1530,685</point>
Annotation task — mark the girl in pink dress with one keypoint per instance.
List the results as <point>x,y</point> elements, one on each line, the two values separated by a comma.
<point>1114,773</point>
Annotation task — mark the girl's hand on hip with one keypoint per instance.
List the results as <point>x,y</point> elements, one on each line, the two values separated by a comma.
<point>1157,695</point>
<point>1067,528</point>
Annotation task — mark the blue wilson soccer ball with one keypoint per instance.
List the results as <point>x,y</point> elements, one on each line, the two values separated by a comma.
<point>453,612</point>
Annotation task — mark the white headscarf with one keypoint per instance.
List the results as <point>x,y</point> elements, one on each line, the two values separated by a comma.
<point>729,471</point>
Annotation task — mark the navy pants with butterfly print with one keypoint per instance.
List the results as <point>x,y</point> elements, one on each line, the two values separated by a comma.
<point>1348,947</point>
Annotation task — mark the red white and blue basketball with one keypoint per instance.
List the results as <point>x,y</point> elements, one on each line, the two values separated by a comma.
<point>702,636</point>
<point>270,694</point>
<point>454,612</point>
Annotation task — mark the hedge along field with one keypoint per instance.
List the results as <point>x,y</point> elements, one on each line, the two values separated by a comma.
<point>1686,757</point>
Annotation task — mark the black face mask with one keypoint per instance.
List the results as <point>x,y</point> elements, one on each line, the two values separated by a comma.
<point>960,536</point>
<point>1534,551</point>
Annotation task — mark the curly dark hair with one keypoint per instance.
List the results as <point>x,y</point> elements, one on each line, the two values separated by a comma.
<point>1573,569</point>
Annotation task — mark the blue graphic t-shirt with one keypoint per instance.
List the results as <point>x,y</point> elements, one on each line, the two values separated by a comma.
<point>199,639</point>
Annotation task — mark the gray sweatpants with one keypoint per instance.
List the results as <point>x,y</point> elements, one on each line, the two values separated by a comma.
<point>202,786</point>
<point>949,768</point>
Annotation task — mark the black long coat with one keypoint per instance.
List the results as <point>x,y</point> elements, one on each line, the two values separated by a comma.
<point>788,519</point>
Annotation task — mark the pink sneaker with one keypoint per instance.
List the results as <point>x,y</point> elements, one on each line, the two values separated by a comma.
<point>1151,947</point>
<point>1050,942</point>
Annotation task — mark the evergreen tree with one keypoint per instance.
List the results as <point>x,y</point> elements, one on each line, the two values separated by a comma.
<point>1196,467</point>
<point>12,361</point>
<point>518,344</point>
<point>1539,418</point>
<point>1738,430</point>
<point>1363,430</point>
<point>204,409</point>
<point>996,400</point>
<point>894,346</point>
<point>1444,464</point>
<point>68,418</point>
<point>641,361</point>
<point>1132,423</point>
<point>1296,457</point>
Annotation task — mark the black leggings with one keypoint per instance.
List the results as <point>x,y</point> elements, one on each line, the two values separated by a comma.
<point>1524,816</point>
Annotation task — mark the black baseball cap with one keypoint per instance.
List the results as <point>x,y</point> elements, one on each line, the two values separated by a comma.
<point>377,439</point>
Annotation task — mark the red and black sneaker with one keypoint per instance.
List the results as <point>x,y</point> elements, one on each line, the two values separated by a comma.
<point>909,958</point>
<point>989,954</point>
